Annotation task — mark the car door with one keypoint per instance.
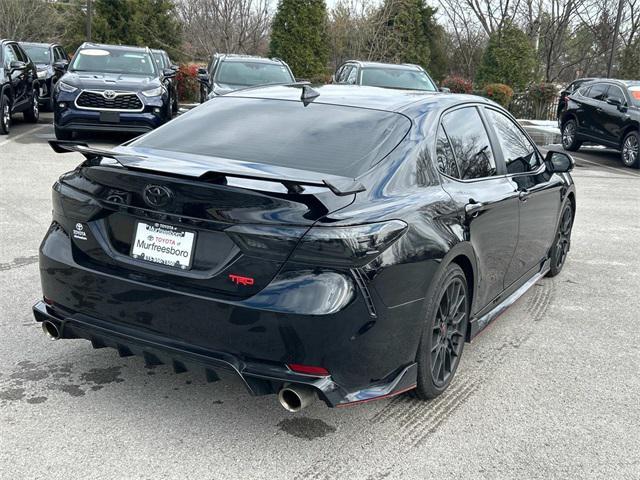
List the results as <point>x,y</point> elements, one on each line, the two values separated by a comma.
<point>612,118</point>
<point>488,201</point>
<point>539,195</point>
<point>589,122</point>
<point>17,77</point>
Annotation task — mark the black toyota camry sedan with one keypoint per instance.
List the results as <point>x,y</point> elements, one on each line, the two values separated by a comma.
<point>334,242</point>
<point>111,88</point>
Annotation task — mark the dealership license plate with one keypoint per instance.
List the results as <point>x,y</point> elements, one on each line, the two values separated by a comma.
<point>110,117</point>
<point>163,244</point>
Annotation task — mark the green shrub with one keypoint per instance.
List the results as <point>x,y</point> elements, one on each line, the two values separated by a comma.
<point>498,92</point>
<point>457,84</point>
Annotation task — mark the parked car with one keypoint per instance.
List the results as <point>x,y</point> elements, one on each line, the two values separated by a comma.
<point>387,75</point>
<point>164,62</point>
<point>51,61</point>
<point>19,85</point>
<point>605,112</point>
<point>228,72</point>
<point>571,88</point>
<point>336,242</point>
<point>111,88</point>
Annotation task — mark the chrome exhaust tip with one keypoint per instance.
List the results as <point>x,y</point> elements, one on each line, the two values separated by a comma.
<point>51,330</point>
<point>294,398</point>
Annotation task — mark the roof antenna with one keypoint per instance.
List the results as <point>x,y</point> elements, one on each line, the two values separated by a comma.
<point>308,95</point>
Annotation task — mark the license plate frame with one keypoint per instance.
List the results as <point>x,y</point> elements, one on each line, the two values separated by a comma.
<point>162,234</point>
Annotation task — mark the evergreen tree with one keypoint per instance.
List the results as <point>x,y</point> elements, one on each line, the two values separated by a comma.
<point>630,62</point>
<point>436,40</point>
<point>509,58</point>
<point>299,37</point>
<point>405,39</point>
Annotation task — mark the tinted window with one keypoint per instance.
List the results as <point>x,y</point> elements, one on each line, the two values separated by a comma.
<point>397,78</point>
<point>352,79</point>
<point>246,74</point>
<point>519,154</point>
<point>113,61</point>
<point>444,155</point>
<point>22,56</point>
<point>9,55</point>
<point>470,143</point>
<point>344,73</point>
<point>322,138</point>
<point>616,92</point>
<point>159,60</point>
<point>598,91</point>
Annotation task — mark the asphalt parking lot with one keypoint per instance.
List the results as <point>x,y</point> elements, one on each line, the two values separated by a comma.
<point>550,390</point>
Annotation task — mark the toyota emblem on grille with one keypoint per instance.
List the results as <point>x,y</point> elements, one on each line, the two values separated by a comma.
<point>157,195</point>
<point>109,94</point>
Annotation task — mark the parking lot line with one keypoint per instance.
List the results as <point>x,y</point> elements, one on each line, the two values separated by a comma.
<point>23,134</point>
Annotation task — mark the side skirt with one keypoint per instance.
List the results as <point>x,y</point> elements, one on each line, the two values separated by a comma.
<point>477,324</point>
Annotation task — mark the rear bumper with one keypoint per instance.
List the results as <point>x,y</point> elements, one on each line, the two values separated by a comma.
<point>259,378</point>
<point>368,358</point>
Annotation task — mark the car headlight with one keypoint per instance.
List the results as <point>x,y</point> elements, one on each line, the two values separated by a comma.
<point>155,92</point>
<point>65,87</point>
<point>42,74</point>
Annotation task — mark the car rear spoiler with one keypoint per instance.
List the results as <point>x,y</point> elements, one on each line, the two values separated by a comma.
<point>340,186</point>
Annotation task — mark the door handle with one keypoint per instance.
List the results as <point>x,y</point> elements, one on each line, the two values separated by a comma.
<point>473,208</point>
<point>523,195</point>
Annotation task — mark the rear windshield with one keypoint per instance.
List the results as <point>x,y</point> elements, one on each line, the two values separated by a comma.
<point>114,60</point>
<point>248,74</point>
<point>397,78</point>
<point>330,139</point>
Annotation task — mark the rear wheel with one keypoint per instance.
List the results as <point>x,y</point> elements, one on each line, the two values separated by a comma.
<point>569,136</point>
<point>631,150</point>
<point>62,134</point>
<point>5,115</point>
<point>444,334</point>
<point>33,112</point>
<point>562,243</point>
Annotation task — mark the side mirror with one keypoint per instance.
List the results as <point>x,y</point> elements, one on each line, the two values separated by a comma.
<point>564,93</point>
<point>559,162</point>
<point>169,72</point>
<point>16,65</point>
<point>61,66</point>
<point>445,90</point>
<point>615,101</point>
<point>202,71</point>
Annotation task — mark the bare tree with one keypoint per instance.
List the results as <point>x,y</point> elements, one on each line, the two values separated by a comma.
<point>22,19</point>
<point>230,26</point>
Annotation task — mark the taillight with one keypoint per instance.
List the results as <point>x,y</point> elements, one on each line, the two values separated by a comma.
<point>73,204</point>
<point>348,246</point>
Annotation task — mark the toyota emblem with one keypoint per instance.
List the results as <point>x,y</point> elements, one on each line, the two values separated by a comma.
<point>109,94</point>
<point>157,195</point>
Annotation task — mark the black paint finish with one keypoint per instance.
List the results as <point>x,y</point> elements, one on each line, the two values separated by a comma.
<point>339,281</point>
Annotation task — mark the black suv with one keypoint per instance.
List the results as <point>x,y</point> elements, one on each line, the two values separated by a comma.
<point>227,72</point>
<point>51,62</point>
<point>571,88</point>
<point>606,112</point>
<point>19,86</point>
<point>164,62</point>
<point>111,88</point>
<point>406,76</point>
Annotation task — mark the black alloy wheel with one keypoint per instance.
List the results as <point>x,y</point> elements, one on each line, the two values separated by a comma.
<point>33,113</point>
<point>569,136</point>
<point>562,244</point>
<point>631,150</point>
<point>444,336</point>
<point>5,115</point>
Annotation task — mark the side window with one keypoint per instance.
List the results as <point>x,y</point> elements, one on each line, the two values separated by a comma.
<point>22,56</point>
<point>9,55</point>
<point>444,155</point>
<point>344,73</point>
<point>598,91</point>
<point>519,154</point>
<point>616,92</point>
<point>352,79</point>
<point>470,143</point>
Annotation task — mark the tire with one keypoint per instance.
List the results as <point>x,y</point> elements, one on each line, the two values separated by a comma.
<point>32,114</point>
<point>174,105</point>
<point>62,134</point>
<point>570,140</point>
<point>562,243</point>
<point>630,151</point>
<point>442,341</point>
<point>5,115</point>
